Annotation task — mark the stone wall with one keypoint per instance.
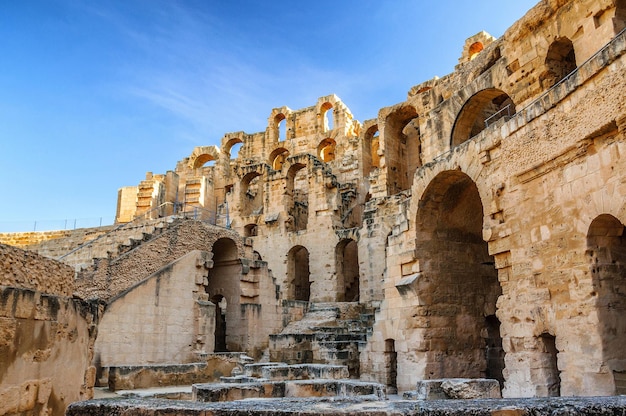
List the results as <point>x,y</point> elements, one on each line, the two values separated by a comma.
<point>27,270</point>
<point>165,318</point>
<point>46,337</point>
<point>477,205</point>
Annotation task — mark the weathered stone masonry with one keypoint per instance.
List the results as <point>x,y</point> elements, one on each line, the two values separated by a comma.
<point>481,219</point>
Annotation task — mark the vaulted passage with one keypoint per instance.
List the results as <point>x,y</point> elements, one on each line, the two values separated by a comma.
<point>458,287</point>
<point>606,248</point>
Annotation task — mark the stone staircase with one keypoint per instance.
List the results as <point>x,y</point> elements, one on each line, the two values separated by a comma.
<point>83,253</point>
<point>329,333</point>
<point>279,380</point>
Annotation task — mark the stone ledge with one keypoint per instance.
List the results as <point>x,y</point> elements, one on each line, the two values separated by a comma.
<point>596,406</point>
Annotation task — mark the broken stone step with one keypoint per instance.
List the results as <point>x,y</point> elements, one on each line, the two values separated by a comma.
<point>255,369</point>
<point>295,388</point>
<point>306,372</point>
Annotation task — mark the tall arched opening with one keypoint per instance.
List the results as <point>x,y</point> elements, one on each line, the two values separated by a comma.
<point>347,266</point>
<point>458,286</point>
<point>371,143</point>
<point>298,197</point>
<point>606,249</point>
<point>251,194</point>
<point>482,109</point>
<point>224,291</point>
<point>299,286</point>
<point>402,148</point>
<point>560,62</point>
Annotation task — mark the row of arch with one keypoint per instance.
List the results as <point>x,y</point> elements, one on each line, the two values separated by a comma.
<point>347,272</point>
<point>458,290</point>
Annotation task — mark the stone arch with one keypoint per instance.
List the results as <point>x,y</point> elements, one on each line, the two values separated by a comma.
<point>230,145</point>
<point>251,194</point>
<point>326,150</point>
<point>250,230</point>
<point>606,251</point>
<point>278,123</point>
<point>371,144</point>
<point>224,291</point>
<point>474,45</point>
<point>298,274</point>
<point>560,62</point>
<point>457,284</point>
<point>297,190</point>
<point>484,107</point>
<point>347,266</point>
<point>202,155</point>
<point>402,147</point>
<point>327,116</point>
<point>278,157</point>
<point>474,49</point>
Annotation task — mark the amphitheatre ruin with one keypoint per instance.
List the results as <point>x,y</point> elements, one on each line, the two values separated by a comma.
<point>466,243</point>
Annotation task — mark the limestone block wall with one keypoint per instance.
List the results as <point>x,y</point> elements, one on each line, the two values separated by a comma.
<point>166,318</point>
<point>30,271</point>
<point>548,202</point>
<point>47,337</point>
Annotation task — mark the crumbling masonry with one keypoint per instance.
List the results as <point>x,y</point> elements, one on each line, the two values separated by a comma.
<point>473,230</point>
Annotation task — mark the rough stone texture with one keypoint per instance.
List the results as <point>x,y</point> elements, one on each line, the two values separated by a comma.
<point>591,406</point>
<point>140,377</point>
<point>46,349</point>
<point>292,388</point>
<point>482,219</point>
<point>27,270</point>
<point>456,389</point>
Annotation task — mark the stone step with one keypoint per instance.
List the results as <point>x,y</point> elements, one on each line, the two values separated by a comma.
<point>306,372</point>
<point>255,369</point>
<point>294,388</point>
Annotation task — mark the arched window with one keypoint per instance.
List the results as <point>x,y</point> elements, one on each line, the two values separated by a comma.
<point>252,194</point>
<point>234,148</point>
<point>482,109</point>
<point>328,118</point>
<point>560,62</point>
<point>278,157</point>
<point>326,150</point>
<point>204,160</point>
<point>250,230</point>
<point>281,127</point>
<point>298,274</point>
<point>402,148</point>
<point>298,191</point>
<point>475,49</point>
<point>371,159</point>
<point>347,265</point>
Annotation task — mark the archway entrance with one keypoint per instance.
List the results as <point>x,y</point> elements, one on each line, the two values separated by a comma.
<point>224,291</point>
<point>606,248</point>
<point>459,286</point>
<point>299,287</point>
<point>347,257</point>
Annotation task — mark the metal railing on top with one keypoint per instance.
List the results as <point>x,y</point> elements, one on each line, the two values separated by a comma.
<point>180,210</point>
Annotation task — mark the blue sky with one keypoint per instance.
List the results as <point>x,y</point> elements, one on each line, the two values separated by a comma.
<point>93,94</point>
